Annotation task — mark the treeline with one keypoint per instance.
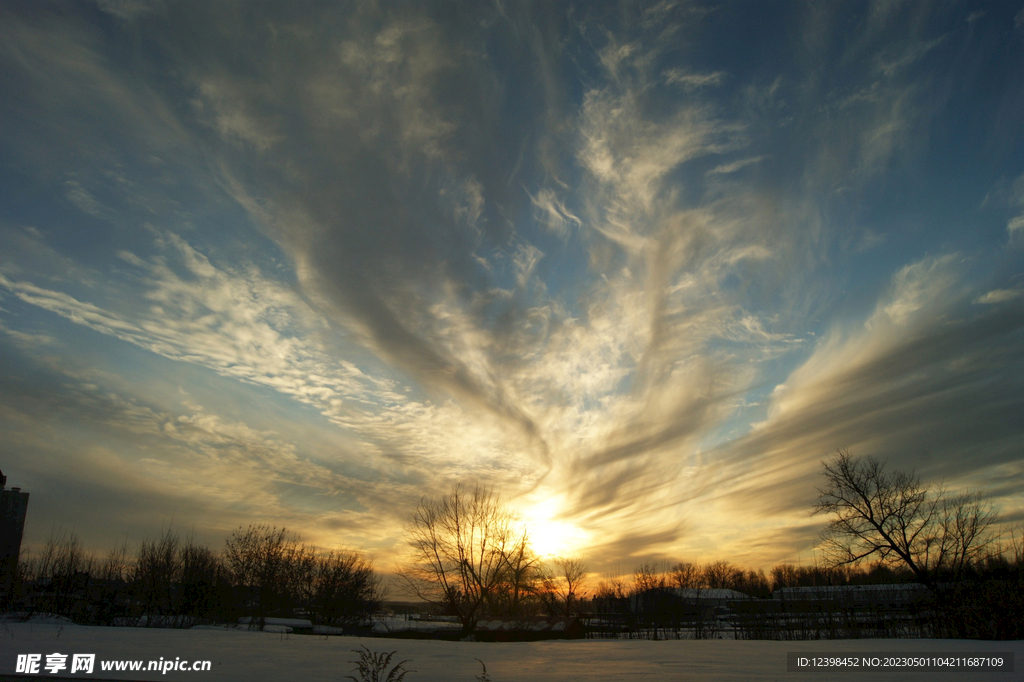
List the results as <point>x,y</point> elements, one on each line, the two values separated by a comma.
<point>700,601</point>
<point>175,581</point>
<point>703,601</point>
<point>943,568</point>
<point>472,560</point>
<point>724,574</point>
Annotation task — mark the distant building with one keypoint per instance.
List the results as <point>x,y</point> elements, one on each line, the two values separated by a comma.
<point>715,596</point>
<point>893,596</point>
<point>487,629</point>
<point>838,612</point>
<point>662,598</point>
<point>528,629</point>
<point>13,505</point>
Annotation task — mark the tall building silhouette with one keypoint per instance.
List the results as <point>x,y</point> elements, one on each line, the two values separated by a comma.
<point>13,505</point>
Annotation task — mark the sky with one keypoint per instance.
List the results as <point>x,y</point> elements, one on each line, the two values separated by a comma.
<point>640,267</point>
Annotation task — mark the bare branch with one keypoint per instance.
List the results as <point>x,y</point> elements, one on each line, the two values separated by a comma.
<point>463,548</point>
<point>895,518</point>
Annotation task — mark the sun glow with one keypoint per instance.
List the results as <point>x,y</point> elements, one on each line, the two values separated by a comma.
<point>549,535</point>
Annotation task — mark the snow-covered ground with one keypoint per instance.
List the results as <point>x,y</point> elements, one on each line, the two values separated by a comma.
<point>239,655</point>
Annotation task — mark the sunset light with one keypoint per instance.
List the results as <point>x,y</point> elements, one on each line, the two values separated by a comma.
<point>550,536</point>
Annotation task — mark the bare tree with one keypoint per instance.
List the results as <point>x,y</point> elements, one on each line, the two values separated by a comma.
<point>612,588</point>
<point>461,544</point>
<point>646,578</point>
<point>784,575</point>
<point>720,575</point>
<point>116,566</point>
<point>563,588</point>
<point>110,597</point>
<point>517,586</point>
<point>686,576</point>
<point>1016,546</point>
<point>63,568</point>
<point>200,571</point>
<point>258,560</point>
<point>339,587</point>
<point>157,570</point>
<point>892,516</point>
<point>649,599</point>
<point>752,583</point>
<point>692,582</point>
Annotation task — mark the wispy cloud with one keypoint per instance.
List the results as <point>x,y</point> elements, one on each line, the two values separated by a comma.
<point>692,81</point>
<point>886,388</point>
<point>86,202</point>
<point>1015,224</point>
<point>553,214</point>
<point>999,296</point>
<point>736,165</point>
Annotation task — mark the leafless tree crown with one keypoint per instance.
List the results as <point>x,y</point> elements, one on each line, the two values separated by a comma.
<point>893,517</point>
<point>467,551</point>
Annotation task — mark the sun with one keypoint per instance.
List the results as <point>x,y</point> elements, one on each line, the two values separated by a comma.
<point>549,535</point>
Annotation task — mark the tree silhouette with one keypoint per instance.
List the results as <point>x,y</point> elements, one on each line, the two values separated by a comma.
<point>563,587</point>
<point>892,516</point>
<point>462,547</point>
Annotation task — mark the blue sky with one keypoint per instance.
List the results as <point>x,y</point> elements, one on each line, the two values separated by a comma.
<point>640,267</point>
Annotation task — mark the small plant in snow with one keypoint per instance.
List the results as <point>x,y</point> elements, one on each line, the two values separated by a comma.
<point>483,677</point>
<point>375,666</point>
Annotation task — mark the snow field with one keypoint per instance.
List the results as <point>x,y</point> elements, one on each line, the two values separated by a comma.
<point>244,656</point>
